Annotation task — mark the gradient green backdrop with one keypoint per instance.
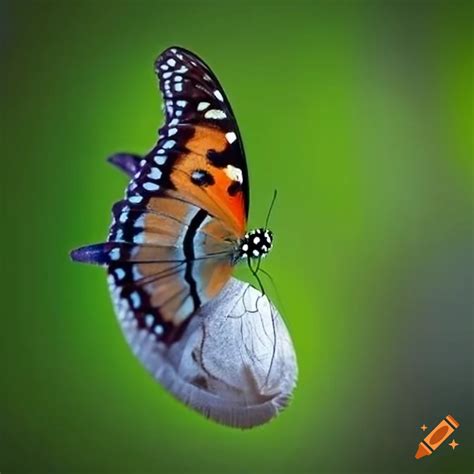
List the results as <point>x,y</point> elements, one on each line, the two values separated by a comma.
<point>361,115</point>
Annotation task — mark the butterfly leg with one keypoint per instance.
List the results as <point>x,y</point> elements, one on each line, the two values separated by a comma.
<point>126,162</point>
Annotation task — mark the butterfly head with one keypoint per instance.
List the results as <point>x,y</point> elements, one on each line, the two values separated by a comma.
<point>256,243</point>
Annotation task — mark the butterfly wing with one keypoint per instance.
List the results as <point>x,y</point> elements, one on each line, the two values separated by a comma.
<point>163,264</point>
<point>204,152</point>
<point>234,362</point>
<point>171,246</point>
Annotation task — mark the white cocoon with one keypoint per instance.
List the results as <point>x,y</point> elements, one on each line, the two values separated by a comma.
<point>235,362</point>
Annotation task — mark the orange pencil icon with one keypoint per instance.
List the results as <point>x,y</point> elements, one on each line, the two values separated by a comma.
<point>437,436</point>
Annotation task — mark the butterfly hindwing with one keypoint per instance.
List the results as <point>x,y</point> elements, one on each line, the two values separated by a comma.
<point>175,259</point>
<point>161,266</point>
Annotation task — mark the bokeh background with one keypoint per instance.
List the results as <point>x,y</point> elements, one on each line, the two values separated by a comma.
<point>360,114</point>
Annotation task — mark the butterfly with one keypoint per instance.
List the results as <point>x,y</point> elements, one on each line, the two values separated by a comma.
<point>215,342</point>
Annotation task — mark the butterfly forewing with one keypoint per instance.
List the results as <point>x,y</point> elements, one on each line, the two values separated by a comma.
<point>200,116</point>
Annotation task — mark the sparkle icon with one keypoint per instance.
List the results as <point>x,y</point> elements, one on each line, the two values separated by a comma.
<point>453,444</point>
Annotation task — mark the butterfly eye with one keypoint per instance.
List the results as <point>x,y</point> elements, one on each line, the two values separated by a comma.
<point>202,178</point>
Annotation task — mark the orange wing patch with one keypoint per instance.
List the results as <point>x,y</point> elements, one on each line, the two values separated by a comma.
<point>214,186</point>
<point>206,138</point>
<point>160,265</point>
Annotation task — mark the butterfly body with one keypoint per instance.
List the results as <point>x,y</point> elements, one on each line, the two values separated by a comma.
<point>256,244</point>
<point>182,227</point>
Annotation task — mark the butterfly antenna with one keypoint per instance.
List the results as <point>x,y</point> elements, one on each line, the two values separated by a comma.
<point>271,207</point>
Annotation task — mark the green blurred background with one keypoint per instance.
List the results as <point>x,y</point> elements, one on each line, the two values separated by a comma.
<point>360,114</point>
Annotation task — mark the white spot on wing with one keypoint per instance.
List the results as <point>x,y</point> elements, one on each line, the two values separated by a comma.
<point>135,199</point>
<point>114,254</point>
<point>135,297</point>
<point>139,223</point>
<point>235,174</point>
<point>155,173</point>
<point>120,273</point>
<point>203,106</point>
<point>231,137</point>
<point>123,216</point>
<point>151,186</point>
<point>215,114</point>
<point>160,159</point>
<point>149,320</point>
<point>139,238</point>
<point>169,144</point>
<point>218,94</point>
